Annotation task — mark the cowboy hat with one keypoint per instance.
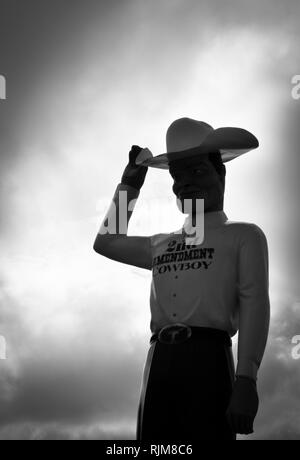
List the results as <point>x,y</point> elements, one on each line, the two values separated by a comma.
<point>187,137</point>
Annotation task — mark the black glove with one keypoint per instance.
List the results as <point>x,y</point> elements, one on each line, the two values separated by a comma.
<point>133,174</point>
<point>243,405</point>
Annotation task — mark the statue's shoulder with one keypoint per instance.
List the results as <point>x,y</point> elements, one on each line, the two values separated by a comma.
<point>246,229</point>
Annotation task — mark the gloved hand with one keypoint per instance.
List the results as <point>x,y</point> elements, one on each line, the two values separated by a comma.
<point>133,174</point>
<point>243,405</point>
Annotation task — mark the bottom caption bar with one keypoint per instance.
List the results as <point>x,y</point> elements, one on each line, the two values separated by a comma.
<point>140,450</point>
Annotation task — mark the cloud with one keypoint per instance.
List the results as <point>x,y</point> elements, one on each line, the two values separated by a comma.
<point>85,81</point>
<point>82,380</point>
<point>278,382</point>
<point>119,429</point>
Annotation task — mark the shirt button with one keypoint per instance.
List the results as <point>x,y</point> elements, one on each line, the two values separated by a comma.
<point>174,295</point>
<point>176,276</point>
<point>174,314</point>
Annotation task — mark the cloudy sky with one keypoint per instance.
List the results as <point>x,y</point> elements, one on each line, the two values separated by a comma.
<point>87,79</point>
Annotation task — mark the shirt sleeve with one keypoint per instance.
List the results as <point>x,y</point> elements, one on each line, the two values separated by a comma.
<point>254,304</point>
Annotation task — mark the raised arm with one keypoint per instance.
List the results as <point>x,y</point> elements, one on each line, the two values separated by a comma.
<point>112,240</point>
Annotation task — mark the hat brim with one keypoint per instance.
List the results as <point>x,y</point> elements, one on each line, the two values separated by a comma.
<point>230,142</point>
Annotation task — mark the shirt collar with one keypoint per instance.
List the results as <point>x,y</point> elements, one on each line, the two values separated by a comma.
<point>212,219</point>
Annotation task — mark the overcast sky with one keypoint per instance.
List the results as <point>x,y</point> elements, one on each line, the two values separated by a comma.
<point>87,79</point>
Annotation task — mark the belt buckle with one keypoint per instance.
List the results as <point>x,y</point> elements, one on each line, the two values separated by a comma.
<point>174,333</point>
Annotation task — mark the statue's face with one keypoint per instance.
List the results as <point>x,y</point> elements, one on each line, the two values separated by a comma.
<point>196,177</point>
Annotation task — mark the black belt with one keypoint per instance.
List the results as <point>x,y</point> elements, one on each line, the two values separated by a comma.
<point>177,333</point>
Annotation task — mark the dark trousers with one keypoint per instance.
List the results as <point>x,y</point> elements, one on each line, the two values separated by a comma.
<point>186,389</point>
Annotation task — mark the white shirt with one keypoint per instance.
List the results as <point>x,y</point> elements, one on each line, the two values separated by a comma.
<point>221,283</point>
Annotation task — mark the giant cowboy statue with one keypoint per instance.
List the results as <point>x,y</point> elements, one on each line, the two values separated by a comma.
<point>206,286</point>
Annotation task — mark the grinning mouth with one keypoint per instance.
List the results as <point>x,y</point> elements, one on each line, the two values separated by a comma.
<point>194,189</point>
